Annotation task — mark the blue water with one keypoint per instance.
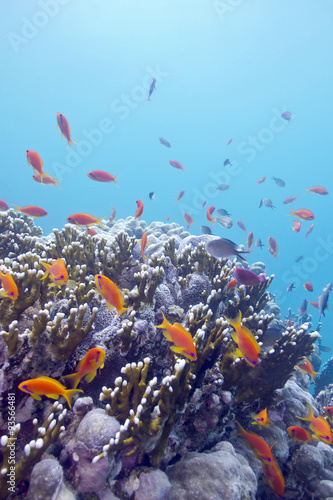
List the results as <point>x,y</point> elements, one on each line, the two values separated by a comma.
<point>224,69</point>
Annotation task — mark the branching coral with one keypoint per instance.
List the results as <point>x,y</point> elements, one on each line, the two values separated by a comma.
<point>147,415</point>
<point>14,468</point>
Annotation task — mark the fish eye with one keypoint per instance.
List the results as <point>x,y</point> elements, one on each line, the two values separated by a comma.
<point>99,277</point>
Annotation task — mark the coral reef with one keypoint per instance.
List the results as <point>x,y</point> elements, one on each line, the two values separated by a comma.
<point>136,437</point>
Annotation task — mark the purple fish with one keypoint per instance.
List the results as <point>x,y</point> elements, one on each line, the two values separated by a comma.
<point>247,277</point>
<point>151,88</point>
<point>286,116</point>
<point>309,230</point>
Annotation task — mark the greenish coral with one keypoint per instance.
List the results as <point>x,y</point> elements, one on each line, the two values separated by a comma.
<point>147,414</point>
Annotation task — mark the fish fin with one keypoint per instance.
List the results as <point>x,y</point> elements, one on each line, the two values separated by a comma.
<point>68,395</point>
<point>165,323</point>
<point>177,350</point>
<point>88,378</point>
<point>309,416</point>
<point>63,135</point>
<point>98,221</point>
<point>234,336</point>
<point>235,322</point>
<point>121,310</point>
<point>115,180</point>
<point>47,270</point>
<point>18,208</point>
<point>71,284</point>
<point>238,353</point>
<point>71,380</point>
<point>167,335</point>
<point>35,396</point>
<point>53,396</point>
<point>56,183</point>
<point>110,306</point>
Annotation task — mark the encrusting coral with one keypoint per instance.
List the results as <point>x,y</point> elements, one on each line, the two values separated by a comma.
<point>166,405</point>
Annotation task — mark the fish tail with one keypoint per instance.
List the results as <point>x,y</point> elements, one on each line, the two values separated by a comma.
<point>70,141</point>
<point>114,180</point>
<point>292,212</point>
<point>47,270</point>
<point>121,310</point>
<point>309,417</point>
<point>165,322</point>
<point>71,380</point>
<point>18,208</point>
<point>68,395</point>
<point>56,183</point>
<point>143,257</point>
<point>240,430</point>
<point>235,322</point>
<point>147,100</point>
<point>98,221</point>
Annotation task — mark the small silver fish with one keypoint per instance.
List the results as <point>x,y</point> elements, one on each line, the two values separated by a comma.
<point>323,300</point>
<point>268,203</point>
<point>223,187</point>
<point>279,182</point>
<point>222,247</point>
<point>300,257</point>
<point>290,287</point>
<point>302,309</point>
<point>259,243</point>
<point>224,221</point>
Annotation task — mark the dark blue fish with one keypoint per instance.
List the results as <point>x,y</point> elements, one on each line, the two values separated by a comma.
<point>323,300</point>
<point>152,195</point>
<point>165,142</point>
<point>226,162</point>
<point>221,211</point>
<point>205,230</point>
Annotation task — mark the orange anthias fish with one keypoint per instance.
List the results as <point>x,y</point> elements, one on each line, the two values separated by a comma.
<point>248,347</point>
<point>181,194</point>
<point>290,199</point>
<point>101,176</point>
<point>302,213</point>
<point>296,227</point>
<point>260,181</point>
<point>308,286</point>
<point>91,231</point>
<point>317,190</point>
<point>319,426</point>
<point>139,210</point>
<point>203,204</point>
<point>46,386</point>
<point>32,211</point>
<point>88,366</point>
<point>257,444</point>
<point>273,247</point>
<point>3,205</point>
<point>273,477</point>
<point>329,412</point>
<point>307,367</point>
<point>113,215</point>
<point>143,245</point>
<point>231,284</point>
<point>229,142</point>
<point>182,339</point>
<point>241,225</point>
<point>57,272</point>
<point>47,179</point>
<point>36,162</point>
<point>9,286</point>
<point>111,293</point>
<point>84,220</point>
<point>64,128</point>
<point>299,434</point>
<point>176,164</point>
<point>261,419</point>
<point>249,241</point>
<point>314,304</point>
<point>209,215</point>
<point>188,219</point>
